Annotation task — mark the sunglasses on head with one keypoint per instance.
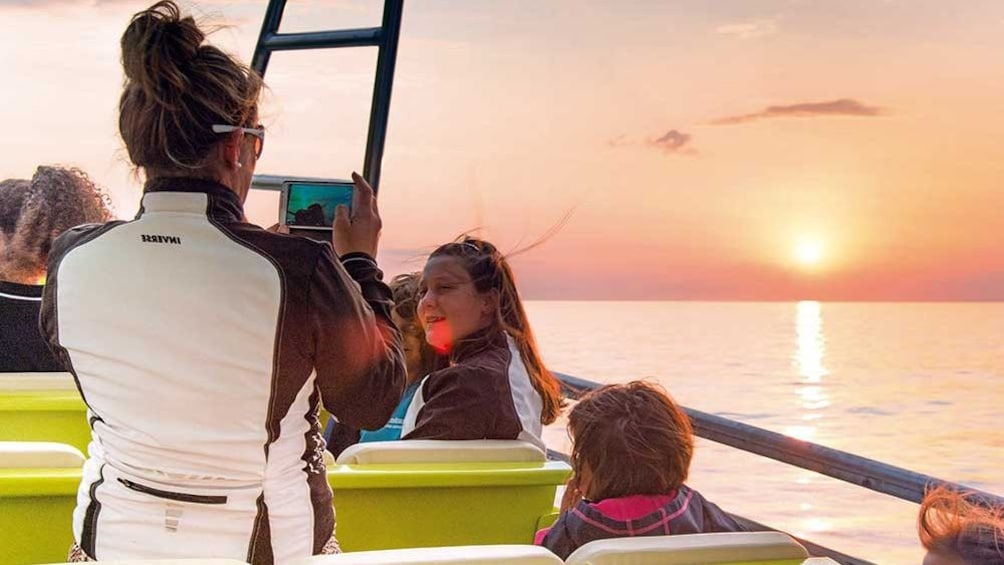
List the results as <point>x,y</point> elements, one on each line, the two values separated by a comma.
<point>258,132</point>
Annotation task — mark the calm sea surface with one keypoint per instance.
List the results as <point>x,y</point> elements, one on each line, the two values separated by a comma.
<point>919,386</point>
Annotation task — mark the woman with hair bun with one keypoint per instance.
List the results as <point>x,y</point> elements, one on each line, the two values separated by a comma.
<point>204,345</point>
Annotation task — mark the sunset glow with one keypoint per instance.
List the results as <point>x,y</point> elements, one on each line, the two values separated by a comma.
<point>808,253</point>
<point>774,150</point>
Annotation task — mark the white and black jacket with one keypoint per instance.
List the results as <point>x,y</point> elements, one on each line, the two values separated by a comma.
<point>203,346</point>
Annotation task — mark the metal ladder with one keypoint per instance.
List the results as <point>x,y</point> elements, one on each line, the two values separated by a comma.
<point>385,38</point>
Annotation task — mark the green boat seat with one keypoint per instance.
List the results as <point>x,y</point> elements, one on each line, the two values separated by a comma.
<point>441,451</point>
<point>38,489</point>
<point>379,506</point>
<point>442,493</point>
<point>464,555</point>
<point>43,407</point>
<point>189,561</point>
<point>739,548</point>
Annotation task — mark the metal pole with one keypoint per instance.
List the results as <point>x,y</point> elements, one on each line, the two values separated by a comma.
<point>382,87</point>
<point>269,27</point>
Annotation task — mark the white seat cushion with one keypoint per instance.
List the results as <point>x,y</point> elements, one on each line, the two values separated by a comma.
<point>465,555</point>
<point>441,451</point>
<point>693,549</point>
<point>37,381</point>
<point>39,455</point>
<point>819,561</point>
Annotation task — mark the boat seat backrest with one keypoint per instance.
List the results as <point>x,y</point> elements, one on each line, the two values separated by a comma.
<point>39,455</point>
<point>442,451</point>
<point>459,555</point>
<point>693,549</point>
<point>186,561</point>
<point>37,381</point>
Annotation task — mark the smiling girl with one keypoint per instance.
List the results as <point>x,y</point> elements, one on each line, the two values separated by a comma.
<point>496,386</point>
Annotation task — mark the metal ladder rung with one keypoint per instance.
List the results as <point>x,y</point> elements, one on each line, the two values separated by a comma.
<point>363,37</point>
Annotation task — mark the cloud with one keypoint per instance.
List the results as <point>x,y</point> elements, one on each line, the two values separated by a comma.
<point>752,29</point>
<point>842,107</point>
<point>673,141</point>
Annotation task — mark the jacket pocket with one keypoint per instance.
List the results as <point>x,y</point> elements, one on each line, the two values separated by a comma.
<point>179,496</point>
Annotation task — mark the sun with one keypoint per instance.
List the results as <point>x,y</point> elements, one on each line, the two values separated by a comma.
<point>808,253</point>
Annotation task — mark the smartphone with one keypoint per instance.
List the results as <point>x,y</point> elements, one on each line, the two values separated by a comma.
<point>308,207</point>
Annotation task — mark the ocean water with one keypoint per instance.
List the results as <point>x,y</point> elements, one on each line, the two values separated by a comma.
<point>917,385</point>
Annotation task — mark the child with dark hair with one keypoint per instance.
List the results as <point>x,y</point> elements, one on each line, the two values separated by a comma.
<point>957,530</point>
<point>496,386</point>
<point>631,451</point>
<point>32,214</point>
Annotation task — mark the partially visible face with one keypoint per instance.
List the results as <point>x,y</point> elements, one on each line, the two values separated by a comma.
<point>451,308</point>
<point>412,338</point>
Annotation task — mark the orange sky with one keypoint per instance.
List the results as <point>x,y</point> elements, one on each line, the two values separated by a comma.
<point>694,144</point>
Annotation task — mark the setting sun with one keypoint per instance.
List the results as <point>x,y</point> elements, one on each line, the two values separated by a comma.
<point>808,253</point>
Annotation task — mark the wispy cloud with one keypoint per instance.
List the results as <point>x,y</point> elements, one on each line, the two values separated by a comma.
<point>841,107</point>
<point>673,141</point>
<point>752,29</point>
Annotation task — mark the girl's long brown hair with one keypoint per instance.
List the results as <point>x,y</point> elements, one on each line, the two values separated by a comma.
<point>489,271</point>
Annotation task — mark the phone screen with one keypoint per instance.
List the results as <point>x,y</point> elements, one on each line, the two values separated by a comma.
<point>312,205</point>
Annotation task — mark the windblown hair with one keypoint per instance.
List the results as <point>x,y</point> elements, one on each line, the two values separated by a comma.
<point>489,271</point>
<point>404,289</point>
<point>56,199</point>
<point>176,88</point>
<point>954,523</point>
<point>633,438</point>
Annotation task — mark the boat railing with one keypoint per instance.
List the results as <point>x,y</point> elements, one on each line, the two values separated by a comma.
<point>868,473</point>
<point>874,475</point>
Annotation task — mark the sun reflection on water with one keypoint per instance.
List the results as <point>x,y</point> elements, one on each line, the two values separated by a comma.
<point>808,359</point>
<point>813,397</point>
<point>811,342</point>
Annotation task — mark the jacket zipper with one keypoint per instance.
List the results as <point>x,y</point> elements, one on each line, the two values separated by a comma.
<point>179,496</point>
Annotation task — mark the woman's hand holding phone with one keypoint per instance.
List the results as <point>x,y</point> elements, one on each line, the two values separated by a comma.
<point>360,232</point>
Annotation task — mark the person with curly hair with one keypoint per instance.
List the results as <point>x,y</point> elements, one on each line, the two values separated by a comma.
<point>32,214</point>
<point>956,529</point>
